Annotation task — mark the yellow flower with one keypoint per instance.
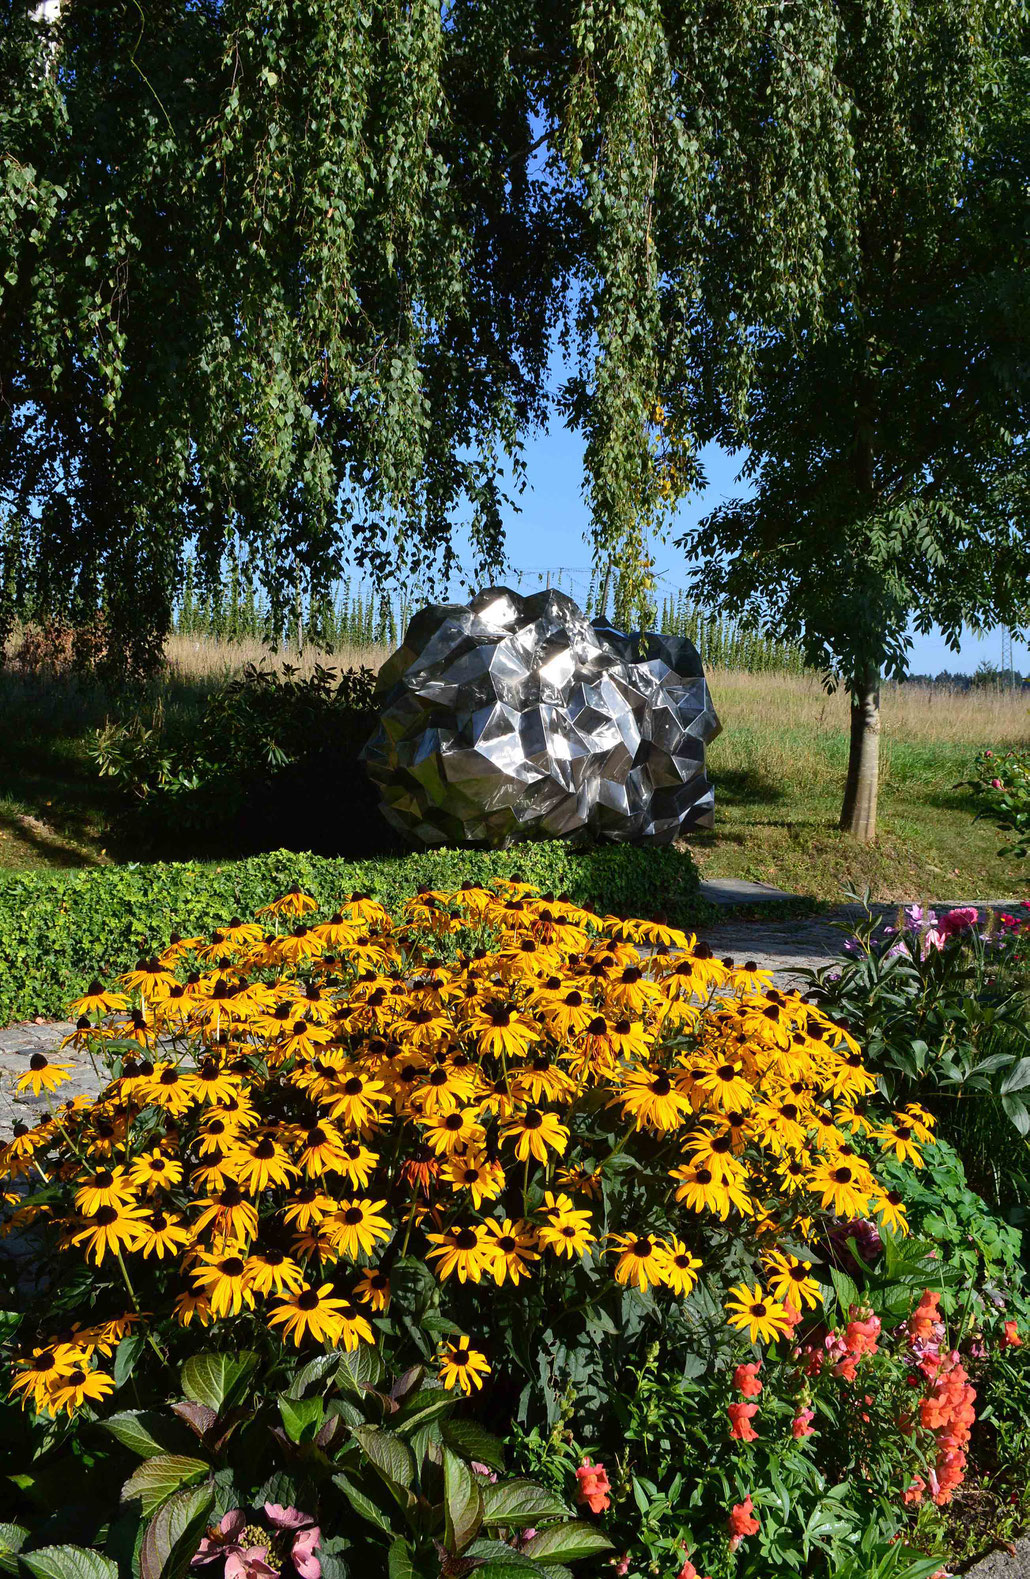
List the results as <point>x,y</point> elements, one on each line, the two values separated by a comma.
<point>461,1366</point>
<point>842,1186</point>
<point>110,1228</point>
<point>313,1312</point>
<point>43,1075</point>
<point>447,1133</point>
<point>705,1191</point>
<point>890,1208</point>
<point>357,1227</point>
<point>108,1187</point>
<point>373,1288</point>
<point>565,1230</point>
<point>97,1000</point>
<point>651,1098</point>
<point>500,1029</point>
<point>483,1179</point>
<point>161,1235</point>
<point>71,1391</point>
<point>466,1252</point>
<point>226,1280</point>
<point>259,1163</point>
<point>681,1267</point>
<point>750,1310</point>
<point>789,1280</point>
<point>535,1134</point>
<point>292,904</point>
<point>641,1260</point>
<point>274,1272</point>
<point>514,1244</point>
<point>155,1168</point>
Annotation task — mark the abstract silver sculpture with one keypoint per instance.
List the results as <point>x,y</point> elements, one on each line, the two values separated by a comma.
<point>516,717</point>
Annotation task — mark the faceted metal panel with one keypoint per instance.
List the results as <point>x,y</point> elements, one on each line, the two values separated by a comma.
<point>517,717</point>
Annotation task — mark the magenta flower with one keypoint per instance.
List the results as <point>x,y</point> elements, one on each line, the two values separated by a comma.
<point>223,1539</point>
<point>251,1562</point>
<point>306,1541</point>
<point>959,920</point>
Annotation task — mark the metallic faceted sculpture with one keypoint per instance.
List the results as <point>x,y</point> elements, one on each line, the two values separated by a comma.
<point>512,718</point>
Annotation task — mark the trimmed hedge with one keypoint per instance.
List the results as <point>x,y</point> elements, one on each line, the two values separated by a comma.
<point>59,929</point>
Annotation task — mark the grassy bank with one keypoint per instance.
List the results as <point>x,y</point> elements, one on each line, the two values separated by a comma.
<point>778,767</point>
<point>779,771</point>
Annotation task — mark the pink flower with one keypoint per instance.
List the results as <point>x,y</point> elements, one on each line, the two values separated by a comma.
<point>996,784</point>
<point>622,1566</point>
<point>741,1429</point>
<point>222,1539</point>
<point>960,920</point>
<point>287,1518</point>
<point>800,1425</point>
<point>251,1562</point>
<point>302,1554</point>
<point>745,1379</point>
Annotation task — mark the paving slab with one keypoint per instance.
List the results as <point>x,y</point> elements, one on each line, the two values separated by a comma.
<point>1014,1564</point>
<point>727,891</point>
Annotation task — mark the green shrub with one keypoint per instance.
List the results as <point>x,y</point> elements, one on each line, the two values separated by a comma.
<point>60,929</point>
<point>1002,785</point>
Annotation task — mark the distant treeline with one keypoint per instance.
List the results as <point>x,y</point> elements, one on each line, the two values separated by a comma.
<point>359,616</point>
<point>988,677</point>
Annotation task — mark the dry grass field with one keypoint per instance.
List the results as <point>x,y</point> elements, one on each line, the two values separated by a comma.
<point>778,768</point>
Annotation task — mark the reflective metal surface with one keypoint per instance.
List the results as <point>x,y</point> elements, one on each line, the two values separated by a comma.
<point>516,717</point>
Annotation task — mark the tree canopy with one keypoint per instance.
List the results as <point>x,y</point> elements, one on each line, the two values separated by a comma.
<point>889,448</point>
<point>291,272</point>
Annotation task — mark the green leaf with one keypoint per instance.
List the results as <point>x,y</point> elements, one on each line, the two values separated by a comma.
<point>144,1432</point>
<point>568,1542</point>
<point>462,1503</point>
<point>427,1404</point>
<point>363,1504</point>
<point>391,1456</point>
<point>1017,1078</point>
<point>520,1503</point>
<point>468,1438</point>
<point>501,1560</point>
<point>156,1478</point>
<point>217,1380</point>
<point>302,1417</point>
<point>359,1369</point>
<point>125,1357</point>
<point>171,1539</point>
<point>69,1562</point>
<point>12,1539</point>
<point>401,1562</point>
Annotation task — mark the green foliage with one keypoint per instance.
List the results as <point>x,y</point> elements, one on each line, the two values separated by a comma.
<point>203,776</point>
<point>941,1012</point>
<point>290,281</point>
<point>59,929</point>
<point>1002,788</point>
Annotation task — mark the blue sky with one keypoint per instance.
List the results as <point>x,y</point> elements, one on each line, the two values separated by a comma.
<point>550,532</point>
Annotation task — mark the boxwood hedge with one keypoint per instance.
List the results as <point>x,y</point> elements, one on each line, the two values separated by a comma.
<point>59,929</point>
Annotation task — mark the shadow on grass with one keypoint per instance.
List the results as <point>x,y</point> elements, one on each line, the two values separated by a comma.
<point>745,787</point>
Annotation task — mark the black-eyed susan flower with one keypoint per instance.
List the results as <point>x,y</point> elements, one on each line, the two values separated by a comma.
<point>500,1029</point>
<point>190,1305</point>
<point>536,1133</point>
<point>899,1138</point>
<point>461,1366</point>
<point>357,1101</point>
<point>373,1288</point>
<point>790,1280</point>
<point>162,1234</point>
<point>259,1163</point>
<point>109,1230</point>
<point>704,1191</point>
<point>484,1180</point>
<point>890,1207</point>
<point>272,1271</point>
<point>214,1084</point>
<point>843,1185</point>
<point>641,1259</point>
<point>106,1187</point>
<point>565,1229</point>
<point>459,1130</point>
<point>42,1075</point>
<point>37,1373</point>
<point>515,1246</point>
<point>227,1212</point>
<point>308,1205</point>
<point>727,1086</point>
<point>226,1280</point>
<point>357,1227</point>
<point>652,1099</point>
<point>463,1252</point>
<point>751,1310</point>
<point>681,1267</point>
<point>70,1391</point>
<point>155,1168</point>
<point>315,1313</point>
<point>97,999</point>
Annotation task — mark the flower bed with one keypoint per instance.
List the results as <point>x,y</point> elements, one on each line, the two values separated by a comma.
<point>490,1235</point>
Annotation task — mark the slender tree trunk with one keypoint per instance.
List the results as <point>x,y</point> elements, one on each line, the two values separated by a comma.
<point>858,814</point>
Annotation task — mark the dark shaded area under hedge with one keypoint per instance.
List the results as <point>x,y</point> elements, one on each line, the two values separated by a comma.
<point>60,929</point>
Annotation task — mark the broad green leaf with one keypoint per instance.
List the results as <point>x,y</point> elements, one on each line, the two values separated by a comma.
<point>125,1357</point>
<point>1018,1078</point>
<point>462,1502</point>
<point>401,1562</point>
<point>156,1478</point>
<point>520,1503</point>
<point>468,1438</point>
<point>500,1559</point>
<point>388,1453</point>
<point>12,1539</point>
<point>427,1404</point>
<point>144,1432</point>
<point>69,1562</point>
<point>217,1380</point>
<point>302,1417</point>
<point>360,1368</point>
<point>171,1539</point>
<point>568,1542</point>
<point>363,1504</point>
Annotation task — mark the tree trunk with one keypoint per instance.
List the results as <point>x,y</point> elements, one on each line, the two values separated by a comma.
<point>858,814</point>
